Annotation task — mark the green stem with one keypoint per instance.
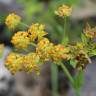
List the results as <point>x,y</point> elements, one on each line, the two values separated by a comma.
<point>77,92</point>
<point>65,26</point>
<point>54,79</point>
<point>72,80</point>
<point>67,73</point>
<point>79,82</point>
<point>65,37</point>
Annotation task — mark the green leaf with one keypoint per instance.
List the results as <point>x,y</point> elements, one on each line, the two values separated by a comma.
<point>93,52</point>
<point>73,63</point>
<point>65,40</point>
<point>84,39</point>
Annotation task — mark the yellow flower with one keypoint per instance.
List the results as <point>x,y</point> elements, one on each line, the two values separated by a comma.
<point>90,32</point>
<point>60,52</point>
<point>43,43</point>
<point>21,40</point>
<point>12,20</point>
<point>43,49</point>
<point>64,10</point>
<point>14,62</point>
<point>30,63</point>
<point>36,31</point>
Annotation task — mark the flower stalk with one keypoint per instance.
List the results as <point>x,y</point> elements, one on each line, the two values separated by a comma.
<point>67,73</point>
<point>65,36</point>
<point>54,79</point>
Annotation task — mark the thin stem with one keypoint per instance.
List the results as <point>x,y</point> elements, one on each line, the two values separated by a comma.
<point>65,24</point>
<point>54,79</point>
<point>67,73</point>
<point>65,37</point>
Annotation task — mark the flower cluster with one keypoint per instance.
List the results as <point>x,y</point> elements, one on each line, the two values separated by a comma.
<point>12,21</point>
<point>45,50</point>
<point>21,40</point>
<point>31,63</point>
<point>60,52</point>
<point>36,31</point>
<point>90,32</point>
<point>14,62</point>
<point>63,10</point>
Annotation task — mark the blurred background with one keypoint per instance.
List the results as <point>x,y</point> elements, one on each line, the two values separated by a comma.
<point>42,11</point>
